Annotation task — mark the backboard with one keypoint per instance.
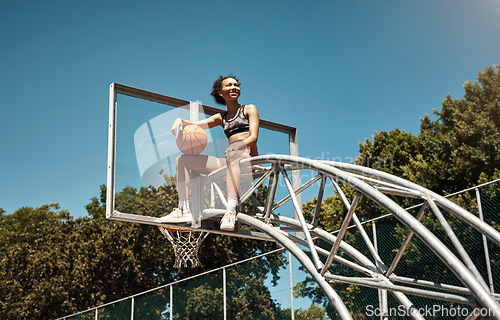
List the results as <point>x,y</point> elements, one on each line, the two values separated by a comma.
<point>142,151</point>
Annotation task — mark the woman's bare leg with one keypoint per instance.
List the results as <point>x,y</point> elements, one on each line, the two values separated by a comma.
<point>183,164</point>
<point>200,163</point>
<point>234,172</point>
<point>233,179</point>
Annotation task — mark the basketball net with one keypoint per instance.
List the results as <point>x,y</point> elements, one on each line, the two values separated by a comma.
<point>186,244</point>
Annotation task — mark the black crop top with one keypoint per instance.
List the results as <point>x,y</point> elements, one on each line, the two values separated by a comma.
<point>237,124</point>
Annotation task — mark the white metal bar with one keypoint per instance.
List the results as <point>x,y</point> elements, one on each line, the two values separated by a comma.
<point>485,243</point>
<point>407,290</point>
<point>297,191</point>
<point>382,294</point>
<point>456,243</point>
<point>196,179</point>
<point>430,284</point>
<point>469,189</point>
<point>299,216</point>
<point>369,244</point>
<point>220,194</point>
<point>342,232</point>
<point>405,243</point>
<point>254,187</point>
<point>317,209</point>
<point>360,228</point>
<point>339,259</point>
<point>374,231</point>
<point>171,302</point>
<point>212,196</point>
<point>380,183</point>
<point>110,192</point>
<point>132,308</point>
<point>294,151</point>
<point>291,284</point>
<point>271,193</point>
<point>224,291</point>
<point>398,192</point>
<point>194,111</point>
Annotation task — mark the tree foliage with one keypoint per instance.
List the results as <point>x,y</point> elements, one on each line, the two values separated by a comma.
<point>452,152</point>
<point>314,312</point>
<point>52,265</point>
<point>458,150</point>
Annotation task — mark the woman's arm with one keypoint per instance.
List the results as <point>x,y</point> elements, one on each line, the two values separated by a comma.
<point>253,119</point>
<point>210,122</point>
<point>253,130</point>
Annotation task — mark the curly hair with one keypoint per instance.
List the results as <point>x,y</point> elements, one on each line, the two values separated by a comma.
<point>217,87</point>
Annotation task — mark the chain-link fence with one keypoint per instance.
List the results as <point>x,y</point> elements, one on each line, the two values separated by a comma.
<point>239,291</point>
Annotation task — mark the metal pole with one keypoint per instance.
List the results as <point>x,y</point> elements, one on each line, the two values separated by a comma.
<point>271,192</point>
<point>171,302</point>
<point>291,286</point>
<point>485,243</point>
<point>341,234</point>
<point>224,292</point>
<point>294,151</point>
<point>96,314</point>
<point>302,257</point>
<point>299,216</point>
<point>456,243</point>
<point>196,179</point>
<point>132,309</point>
<point>382,294</point>
<point>405,243</point>
<point>110,196</point>
<point>359,226</point>
<point>317,209</point>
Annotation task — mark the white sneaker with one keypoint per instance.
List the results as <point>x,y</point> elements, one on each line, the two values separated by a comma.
<point>177,216</point>
<point>228,221</point>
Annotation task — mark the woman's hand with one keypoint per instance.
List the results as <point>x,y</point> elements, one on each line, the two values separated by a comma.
<point>235,149</point>
<point>177,126</point>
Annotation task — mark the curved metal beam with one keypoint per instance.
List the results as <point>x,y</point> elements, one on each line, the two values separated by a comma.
<point>454,264</point>
<point>444,203</point>
<point>372,184</point>
<point>300,255</point>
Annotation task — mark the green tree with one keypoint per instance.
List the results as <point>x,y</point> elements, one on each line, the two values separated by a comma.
<point>52,265</point>
<point>452,152</point>
<point>458,150</point>
<point>314,312</point>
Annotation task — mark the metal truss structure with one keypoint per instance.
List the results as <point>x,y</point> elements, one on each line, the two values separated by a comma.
<point>378,187</point>
<point>299,236</point>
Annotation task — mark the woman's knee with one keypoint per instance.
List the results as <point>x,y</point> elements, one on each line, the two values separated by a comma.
<point>232,161</point>
<point>235,157</point>
<point>182,159</point>
<point>179,161</point>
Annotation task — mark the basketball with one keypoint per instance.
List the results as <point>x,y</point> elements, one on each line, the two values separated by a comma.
<point>191,140</point>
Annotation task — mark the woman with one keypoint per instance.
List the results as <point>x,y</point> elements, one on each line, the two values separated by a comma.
<point>241,126</point>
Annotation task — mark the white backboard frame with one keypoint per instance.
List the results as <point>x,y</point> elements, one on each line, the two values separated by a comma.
<point>117,89</point>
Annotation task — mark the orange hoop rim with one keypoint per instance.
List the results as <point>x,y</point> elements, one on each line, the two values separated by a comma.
<point>180,229</point>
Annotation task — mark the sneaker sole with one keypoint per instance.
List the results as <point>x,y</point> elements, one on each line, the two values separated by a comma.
<point>177,220</point>
<point>227,227</point>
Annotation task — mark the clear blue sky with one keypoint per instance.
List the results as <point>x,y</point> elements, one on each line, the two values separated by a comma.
<point>336,70</point>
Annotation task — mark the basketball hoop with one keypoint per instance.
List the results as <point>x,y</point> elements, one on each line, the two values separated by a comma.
<point>186,244</point>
